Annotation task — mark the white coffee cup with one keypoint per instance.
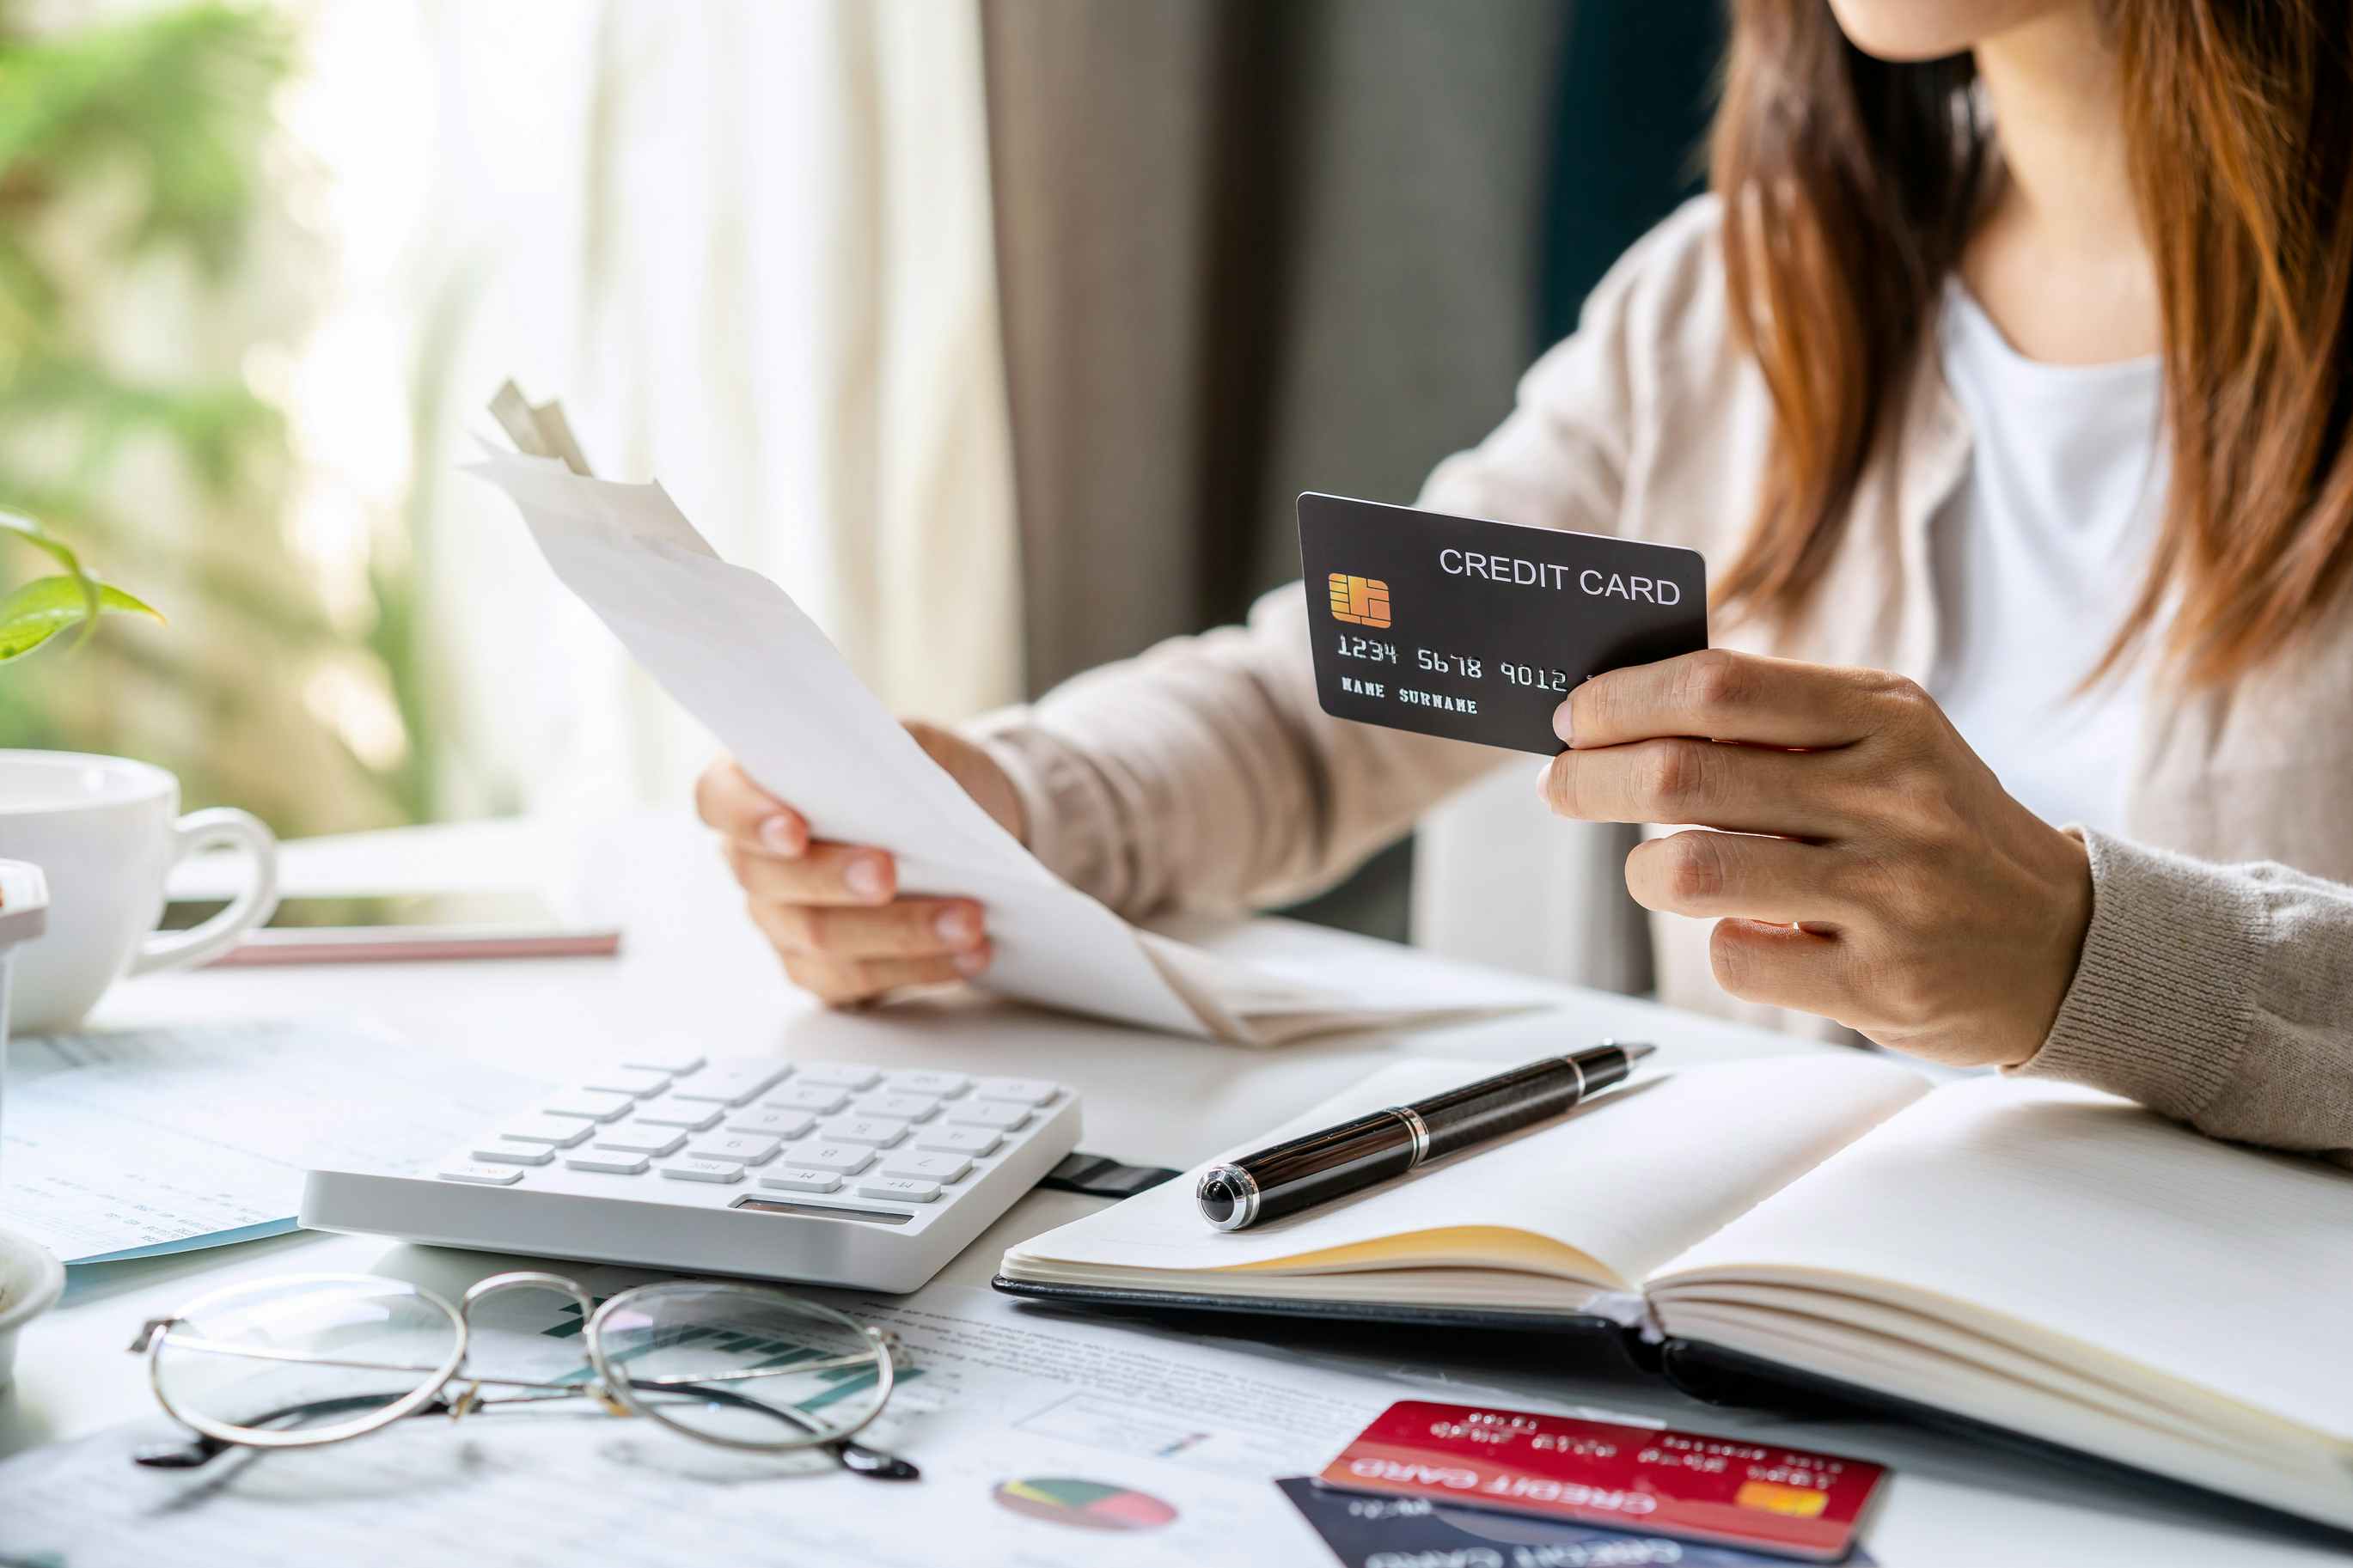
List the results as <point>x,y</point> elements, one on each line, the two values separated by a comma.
<point>107,832</point>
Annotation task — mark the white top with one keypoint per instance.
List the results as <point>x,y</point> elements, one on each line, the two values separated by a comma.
<point>2036,557</point>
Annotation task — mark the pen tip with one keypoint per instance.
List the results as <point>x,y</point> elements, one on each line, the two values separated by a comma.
<point>1635,1049</point>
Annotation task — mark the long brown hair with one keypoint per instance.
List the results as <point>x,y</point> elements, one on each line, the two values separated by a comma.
<point>1851,185</point>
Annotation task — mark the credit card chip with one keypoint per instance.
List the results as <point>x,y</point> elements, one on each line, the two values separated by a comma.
<point>1360,601</point>
<point>1802,1502</point>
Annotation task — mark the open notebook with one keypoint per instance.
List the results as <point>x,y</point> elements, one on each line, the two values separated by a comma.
<point>2031,1256</point>
<point>732,649</point>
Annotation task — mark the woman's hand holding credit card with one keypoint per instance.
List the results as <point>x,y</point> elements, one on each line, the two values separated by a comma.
<point>1861,861</point>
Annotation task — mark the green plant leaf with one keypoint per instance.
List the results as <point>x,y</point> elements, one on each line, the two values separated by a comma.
<point>48,605</point>
<point>33,534</point>
<point>86,588</point>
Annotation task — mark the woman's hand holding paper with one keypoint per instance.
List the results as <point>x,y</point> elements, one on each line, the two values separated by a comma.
<point>1871,869</point>
<point>832,911</point>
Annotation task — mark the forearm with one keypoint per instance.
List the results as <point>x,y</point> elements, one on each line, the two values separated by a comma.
<point>2221,995</point>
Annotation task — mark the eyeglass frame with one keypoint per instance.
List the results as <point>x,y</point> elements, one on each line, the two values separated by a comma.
<point>613,1391</point>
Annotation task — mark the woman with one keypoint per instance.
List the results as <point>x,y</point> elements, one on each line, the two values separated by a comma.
<point>2004,381</point>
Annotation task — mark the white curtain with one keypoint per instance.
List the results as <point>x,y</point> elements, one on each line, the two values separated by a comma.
<point>749,245</point>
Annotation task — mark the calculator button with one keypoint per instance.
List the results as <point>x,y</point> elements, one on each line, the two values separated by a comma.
<point>743,1148</point>
<point>899,1106</point>
<point>627,1080</point>
<point>823,1098</point>
<point>1002,1114</point>
<point>847,1159</point>
<point>973,1141</point>
<point>869,1130</point>
<point>703,1171</point>
<point>840,1075</point>
<point>770,1123</point>
<point>737,1085</point>
<point>800,1179</point>
<point>591,1105</point>
<point>612,1162</point>
<point>657,1057</point>
<point>1023,1091</point>
<point>636,1138</point>
<point>901,1188</point>
<point>926,1167</point>
<point>479,1175</point>
<point>673,1114</point>
<point>939,1084</point>
<point>500,1151</point>
<point>561,1131</point>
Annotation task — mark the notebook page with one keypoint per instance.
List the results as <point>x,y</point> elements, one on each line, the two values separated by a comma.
<point>1628,1180</point>
<point>2036,1211</point>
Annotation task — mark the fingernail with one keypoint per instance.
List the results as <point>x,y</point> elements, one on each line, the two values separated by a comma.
<point>957,927</point>
<point>972,963</point>
<point>866,878</point>
<point>1544,780</point>
<point>1560,725</point>
<point>782,835</point>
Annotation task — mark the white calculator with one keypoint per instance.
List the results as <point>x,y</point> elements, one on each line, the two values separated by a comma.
<point>822,1173</point>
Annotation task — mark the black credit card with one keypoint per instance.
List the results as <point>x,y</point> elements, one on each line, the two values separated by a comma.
<point>1476,630</point>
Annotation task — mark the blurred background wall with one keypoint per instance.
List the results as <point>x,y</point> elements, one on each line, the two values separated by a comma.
<point>1001,332</point>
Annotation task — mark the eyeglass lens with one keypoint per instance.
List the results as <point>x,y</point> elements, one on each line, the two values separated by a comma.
<point>328,1357</point>
<point>741,1366</point>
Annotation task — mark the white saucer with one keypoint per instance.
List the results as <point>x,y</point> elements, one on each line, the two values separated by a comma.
<point>31,1280</point>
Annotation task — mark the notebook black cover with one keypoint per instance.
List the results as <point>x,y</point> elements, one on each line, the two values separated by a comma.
<point>1604,1336</point>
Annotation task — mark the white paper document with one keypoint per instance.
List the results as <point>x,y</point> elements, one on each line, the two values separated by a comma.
<point>733,649</point>
<point>151,1141</point>
<point>1017,1421</point>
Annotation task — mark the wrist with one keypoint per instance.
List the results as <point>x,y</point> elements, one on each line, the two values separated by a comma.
<point>968,760</point>
<point>2068,901</point>
<point>1001,798</point>
<point>1068,815</point>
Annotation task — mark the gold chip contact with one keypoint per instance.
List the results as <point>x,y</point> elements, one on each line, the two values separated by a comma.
<point>1360,601</point>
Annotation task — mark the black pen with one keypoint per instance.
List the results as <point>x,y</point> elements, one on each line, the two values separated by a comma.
<point>1318,1167</point>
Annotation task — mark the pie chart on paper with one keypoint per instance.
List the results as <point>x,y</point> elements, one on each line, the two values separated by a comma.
<point>1083,1505</point>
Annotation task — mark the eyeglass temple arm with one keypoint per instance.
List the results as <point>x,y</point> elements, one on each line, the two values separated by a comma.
<point>202,1448</point>
<point>147,1332</point>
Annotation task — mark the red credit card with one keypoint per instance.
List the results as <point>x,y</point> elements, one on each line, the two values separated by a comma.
<point>1725,1489</point>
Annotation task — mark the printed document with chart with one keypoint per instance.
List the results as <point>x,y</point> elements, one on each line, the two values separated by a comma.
<point>732,648</point>
<point>135,1143</point>
<point>1045,1442</point>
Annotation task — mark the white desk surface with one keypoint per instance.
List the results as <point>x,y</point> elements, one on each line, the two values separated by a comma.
<point>690,959</point>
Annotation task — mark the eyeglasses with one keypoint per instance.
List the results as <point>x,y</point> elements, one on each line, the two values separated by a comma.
<point>322,1358</point>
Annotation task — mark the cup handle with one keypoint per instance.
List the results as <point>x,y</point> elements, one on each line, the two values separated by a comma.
<point>203,830</point>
